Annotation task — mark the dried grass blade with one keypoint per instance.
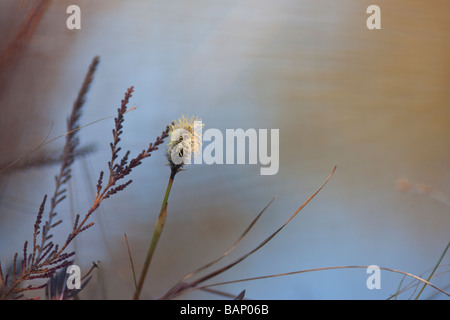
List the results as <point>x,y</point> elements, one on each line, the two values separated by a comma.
<point>321,269</point>
<point>131,261</point>
<point>434,270</point>
<point>221,293</point>
<point>212,274</point>
<point>179,285</point>
<point>233,246</point>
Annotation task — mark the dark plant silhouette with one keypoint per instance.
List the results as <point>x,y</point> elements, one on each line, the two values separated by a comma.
<point>47,257</point>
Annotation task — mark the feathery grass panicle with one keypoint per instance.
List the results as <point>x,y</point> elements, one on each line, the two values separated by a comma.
<point>68,155</point>
<point>56,286</point>
<point>47,257</point>
<point>118,171</point>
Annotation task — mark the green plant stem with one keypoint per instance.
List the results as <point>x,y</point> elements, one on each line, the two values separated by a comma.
<point>131,261</point>
<point>155,238</point>
<point>434,270</point>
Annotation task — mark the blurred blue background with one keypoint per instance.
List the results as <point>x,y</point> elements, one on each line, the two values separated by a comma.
<point>374,103</point>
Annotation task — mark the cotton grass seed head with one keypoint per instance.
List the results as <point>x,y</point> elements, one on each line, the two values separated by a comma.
<point>185,139</point>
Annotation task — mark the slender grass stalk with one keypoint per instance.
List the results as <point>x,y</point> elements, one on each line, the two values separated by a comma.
<point>315,270</point>
<point>155,238</point>
<point>413,283</point>
<point>399,289</point>
<point>434,270</point>
<point>182,287</point>
<point>131,261</point>
<point>181,147</point>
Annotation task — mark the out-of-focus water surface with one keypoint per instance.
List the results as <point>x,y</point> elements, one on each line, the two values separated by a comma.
<point>374,103</point>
